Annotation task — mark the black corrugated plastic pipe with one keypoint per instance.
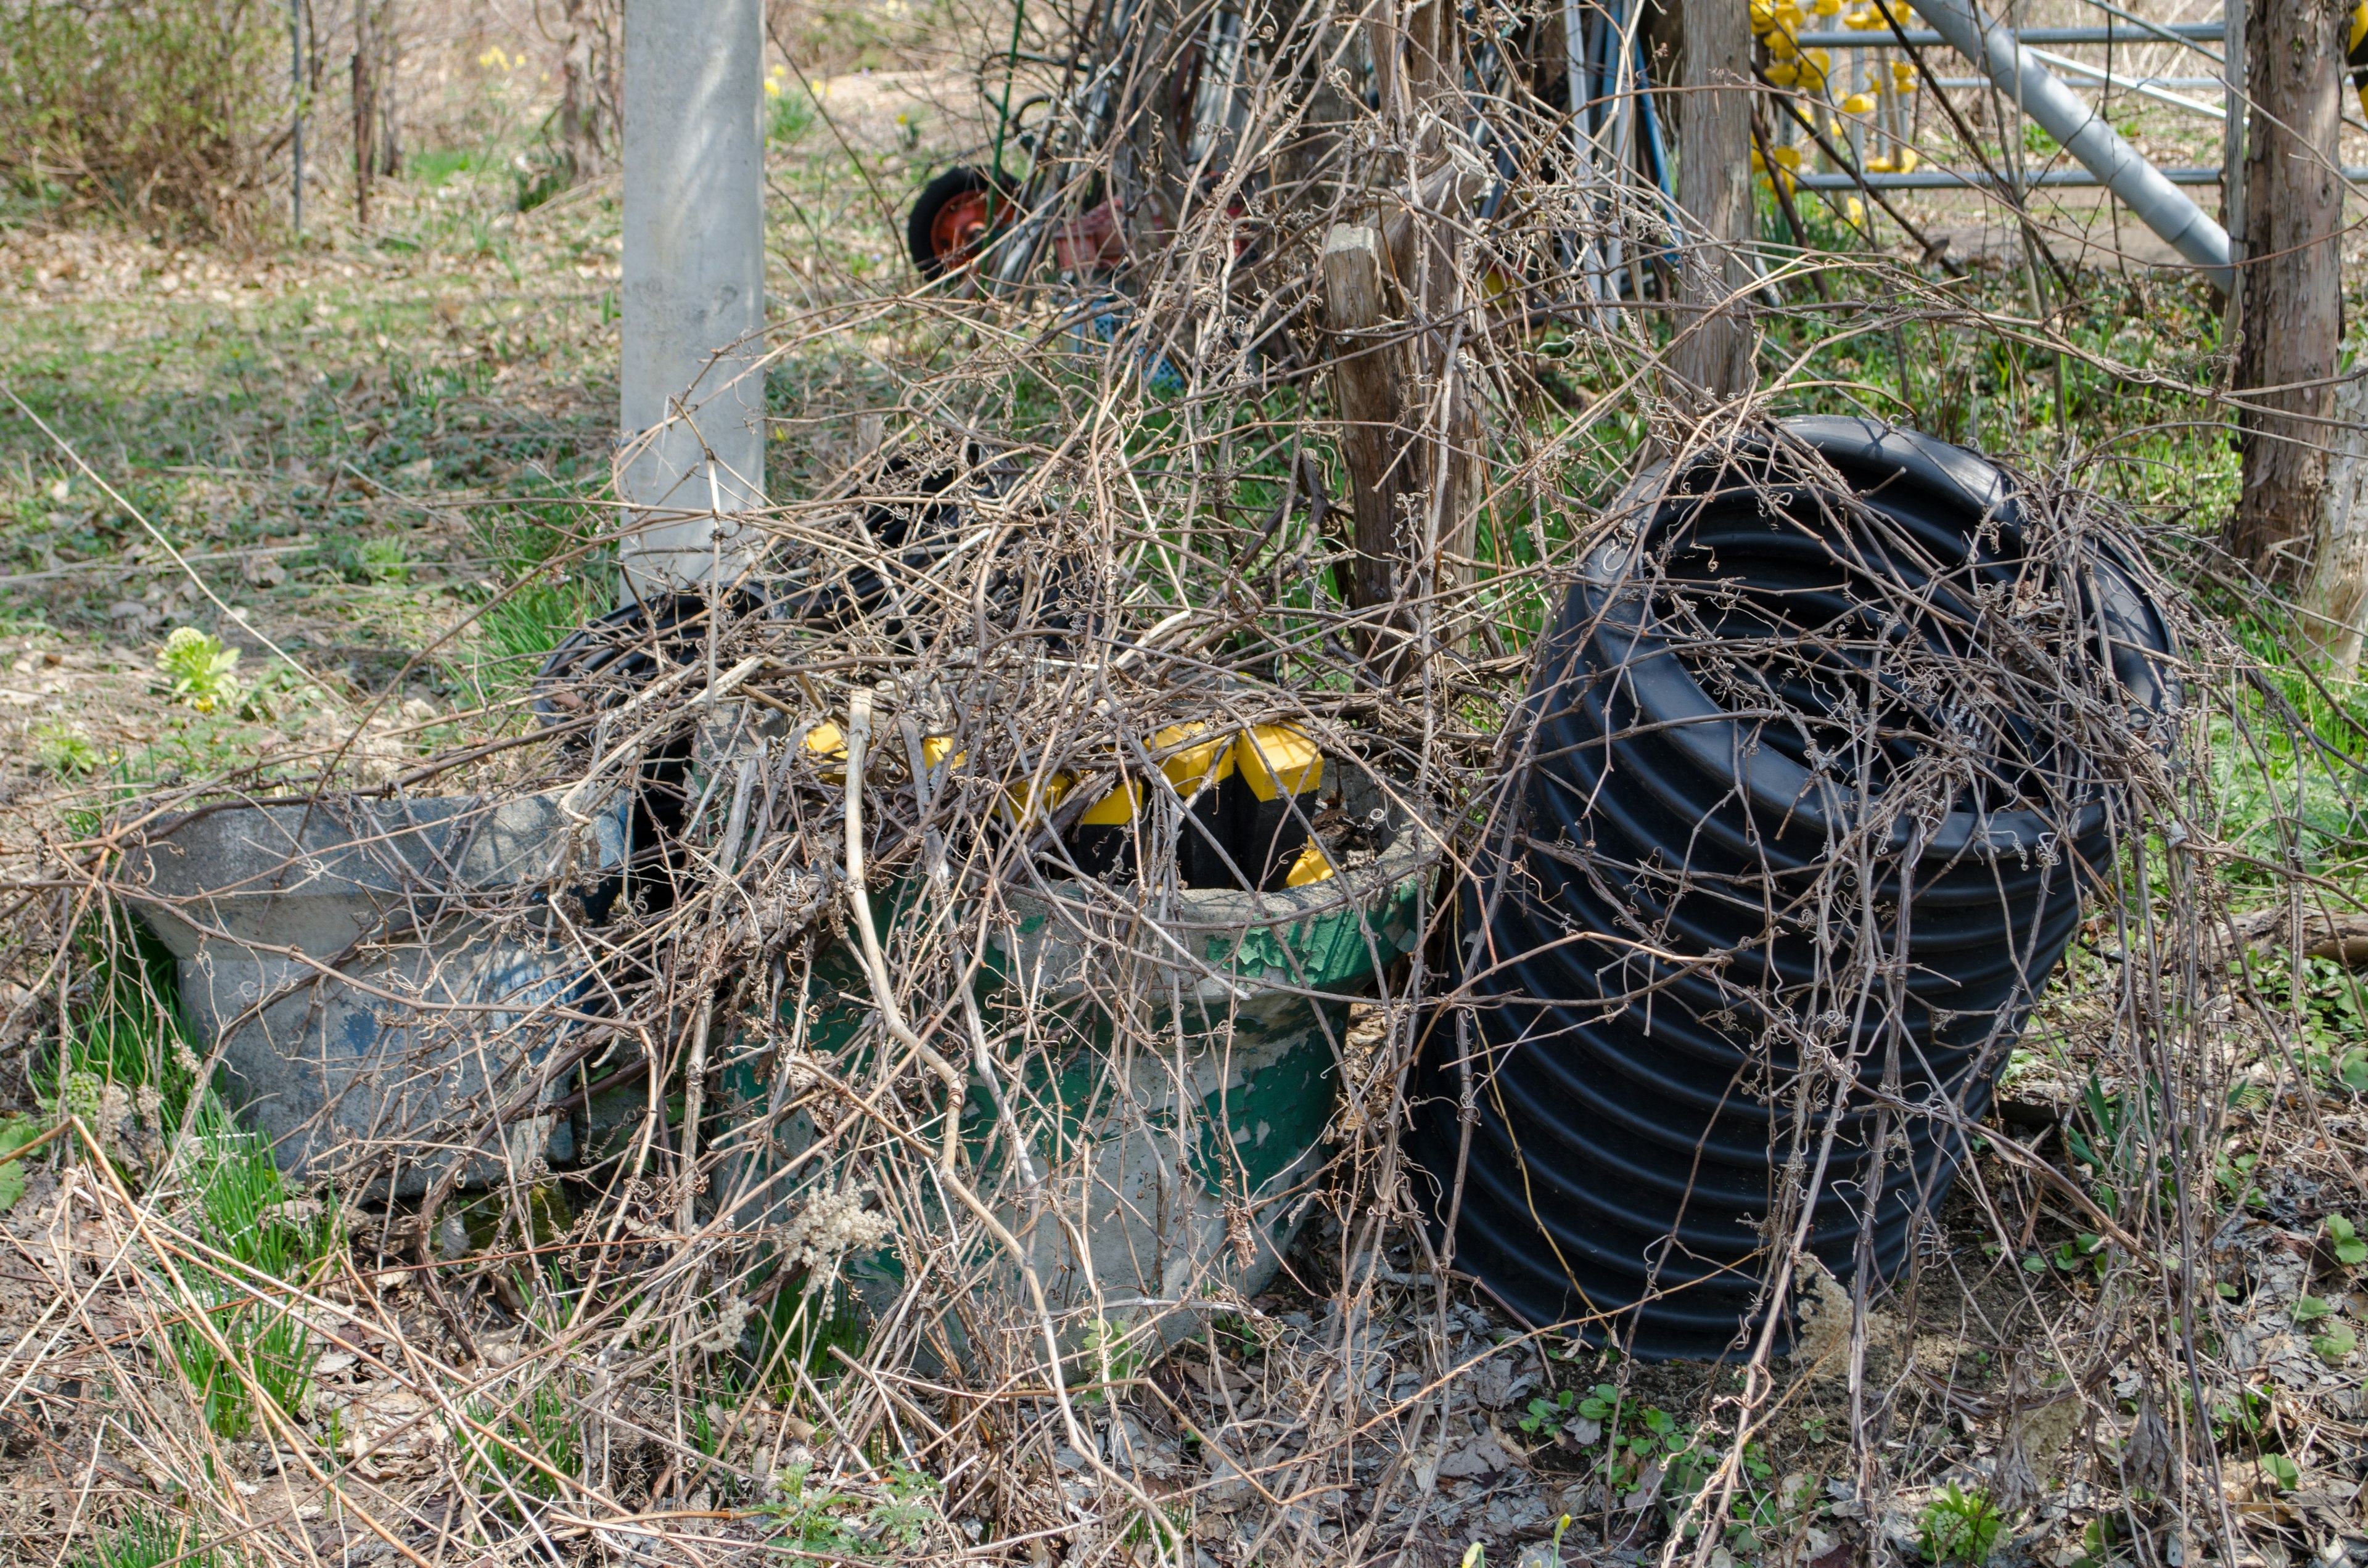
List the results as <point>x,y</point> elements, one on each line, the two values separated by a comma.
<point>1640,933</point>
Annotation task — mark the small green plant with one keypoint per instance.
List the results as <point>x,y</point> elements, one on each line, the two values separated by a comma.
<point>63,751</point>
<point>2344,1242</point>
<point>199,670</point>
<point>1959,1526</point>
<point>2083,1252</point>
<point>2097,1542</point>
<point>435,165</point>
<point>2235,1175</point>
<point>2280,1471</point>
<point>904,1513</point>
<point>2115,1135</point>
<point>1545,1414</point>
<point>382,559</point>
<point>2244,1418</point>
<point>15,1133</point>
<point>813,1521</point>
<point>532,1435</point>
<point>1167,1531</point>
<point>146,1539</point>
<point>1113,1355</point>
<point>789,112</point>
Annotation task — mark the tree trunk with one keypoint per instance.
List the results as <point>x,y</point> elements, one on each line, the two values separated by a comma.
<point>385,35</point>
<point>579,96</point>
<point>2334,599</point>
<point>1714,353</point>
<point>365,118</point>
<point>2293,309</point>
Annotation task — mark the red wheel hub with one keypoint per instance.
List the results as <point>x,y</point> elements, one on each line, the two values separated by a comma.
<point>960,226</point>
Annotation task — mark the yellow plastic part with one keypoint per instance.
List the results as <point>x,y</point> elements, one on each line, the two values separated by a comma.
<point>1859,103</point>
<point>1906,159</point>
<point>2358,31</point>
<point>1276,760</point>
<point>1789,156</point>
<point>1783,73</point>
<point>1196,767</point>
<point>1825,7</point>
<point>1861,21</point>
<point>1312,866</point>
<point>826,743</point>
<point>1116,808</point>
<point>1781,48</point>
<point>1021,804</point>
<point>1878,166</point>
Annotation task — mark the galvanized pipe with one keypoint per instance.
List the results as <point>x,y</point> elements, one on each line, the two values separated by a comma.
<point>2081,131</point>
<point>2054,179</point>
<point>691,394</point>
<point>1925,38</point>
<point>2103,77</point>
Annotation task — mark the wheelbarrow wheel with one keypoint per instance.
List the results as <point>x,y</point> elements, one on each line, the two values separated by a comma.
<point>951,218</point>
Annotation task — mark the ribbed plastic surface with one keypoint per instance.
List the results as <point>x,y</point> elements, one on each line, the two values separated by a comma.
<point>1643,945</point>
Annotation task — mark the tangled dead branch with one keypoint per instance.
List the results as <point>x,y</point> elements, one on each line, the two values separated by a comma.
<point>907,1055</point>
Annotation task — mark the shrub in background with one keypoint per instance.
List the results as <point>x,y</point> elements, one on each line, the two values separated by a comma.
<point>152,109</point>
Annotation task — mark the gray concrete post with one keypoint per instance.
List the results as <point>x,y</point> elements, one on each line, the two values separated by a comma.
<point>691,436</point>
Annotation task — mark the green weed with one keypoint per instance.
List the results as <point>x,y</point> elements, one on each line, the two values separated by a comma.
<point>63,751</point>
<point>824,1521</point>
<point>199,670</point>
<point>245,1211</point>
<point>788,112</point>
<point>2113,1134</point>
<point>15,1133</point>
<point>531,1436</point>
<point>2243,1418</point>
<point>125,1065</point>
<point>146,1539</point>
<point>382,559</point>
<point>1959,1526</point>
<point>1112,1355</point>
<point>438,164</point>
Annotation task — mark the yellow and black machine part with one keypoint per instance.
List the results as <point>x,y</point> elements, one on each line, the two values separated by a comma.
<point>1249,800</point>
<point>2355,53</point>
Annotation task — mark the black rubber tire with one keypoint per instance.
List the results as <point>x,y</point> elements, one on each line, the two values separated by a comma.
<point>920,223</point>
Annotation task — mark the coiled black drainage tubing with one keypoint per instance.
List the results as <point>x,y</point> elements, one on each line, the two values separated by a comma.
<point>1822,757</point>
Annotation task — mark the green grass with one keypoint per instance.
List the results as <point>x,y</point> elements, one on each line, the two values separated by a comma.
<point>127,1057</point>
<point>267,1351</point>
<point>146,1539</point>
<point>534,1428</point>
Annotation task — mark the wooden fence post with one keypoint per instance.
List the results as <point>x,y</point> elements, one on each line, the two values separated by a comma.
<point>1369,381</point>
